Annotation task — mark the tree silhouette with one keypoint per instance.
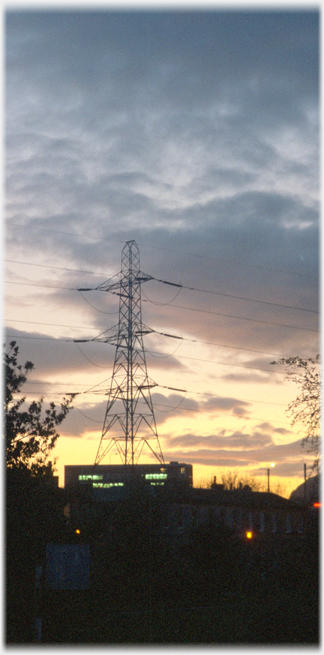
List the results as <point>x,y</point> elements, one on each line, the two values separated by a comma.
<point>30,431</point>
<point>306,408</point>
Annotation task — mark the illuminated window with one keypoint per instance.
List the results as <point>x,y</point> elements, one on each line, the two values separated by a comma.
<point>162,470</point>
<point>90,477</point>
<point>182,470</point>
<point>107,485</point>
<point>156,476</point>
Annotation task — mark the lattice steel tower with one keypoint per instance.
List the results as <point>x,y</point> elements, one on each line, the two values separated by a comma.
<point>129,409</point>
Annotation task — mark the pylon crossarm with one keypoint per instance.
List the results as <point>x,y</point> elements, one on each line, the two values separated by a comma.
<point>143,277</point>
<point>104,336</point>
<point>143,329</point>
<point>109,285</point>
<point>147,386</point>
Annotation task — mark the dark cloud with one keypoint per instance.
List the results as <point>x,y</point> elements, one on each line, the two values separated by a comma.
<point>196,134</point>
<point>182,405</point>
<point>235,440</point>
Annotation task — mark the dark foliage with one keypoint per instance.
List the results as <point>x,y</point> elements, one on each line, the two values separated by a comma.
<point>30,430</point>
<point>34,517</point>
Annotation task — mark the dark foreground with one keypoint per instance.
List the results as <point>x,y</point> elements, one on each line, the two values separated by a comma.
<point>216,589</point>
<point>177,602</point>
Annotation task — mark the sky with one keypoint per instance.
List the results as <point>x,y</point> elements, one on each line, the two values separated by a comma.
<point>194,132</point>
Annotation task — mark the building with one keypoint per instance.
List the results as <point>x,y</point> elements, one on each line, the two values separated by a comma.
<point>264,516</point>
<point>308,491</point>
<point>109,478</point>
<point>95,491</point>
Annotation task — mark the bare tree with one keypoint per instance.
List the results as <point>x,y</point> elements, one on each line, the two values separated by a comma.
<point>235,480</point>
<point>232,480</point>
<point>306,408</point>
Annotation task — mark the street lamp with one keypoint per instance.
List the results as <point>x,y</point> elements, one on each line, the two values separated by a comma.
<point>268,473</point>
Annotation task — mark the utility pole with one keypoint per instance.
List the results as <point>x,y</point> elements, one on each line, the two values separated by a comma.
<point>129,422</point>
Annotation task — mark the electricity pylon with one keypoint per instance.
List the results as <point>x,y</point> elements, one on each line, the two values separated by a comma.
<point>129,422</point>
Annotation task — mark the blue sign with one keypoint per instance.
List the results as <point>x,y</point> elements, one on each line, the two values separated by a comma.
<point>67,566</point>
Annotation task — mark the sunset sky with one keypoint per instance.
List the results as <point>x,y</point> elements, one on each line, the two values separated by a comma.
<point>195,133</point>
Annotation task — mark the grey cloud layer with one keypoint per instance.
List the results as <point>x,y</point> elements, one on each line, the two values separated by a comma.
<point>194,133</point>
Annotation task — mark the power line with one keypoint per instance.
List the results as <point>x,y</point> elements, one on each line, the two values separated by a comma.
<point>71,234</point>
<point>228,295</point>
<point>228,261</point>
<point>241,318</point>
<point>204,411</point>
<point>96,308</point>
<point>209,361</point>
<point>210,343</point>
<point>216,293</point>
<point>212,411</point>
<point>220,345</point>
<point>160,386</point>
<point>19,336</point>
<point>57,268</point>
<point>45,286</point>
<point>177,252</point>
<point>204,311</point>
<point>77,327</point>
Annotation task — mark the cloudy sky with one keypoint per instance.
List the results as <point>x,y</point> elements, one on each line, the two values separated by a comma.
<point>194,133</point>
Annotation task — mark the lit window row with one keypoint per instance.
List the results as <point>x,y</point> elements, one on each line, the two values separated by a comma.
<point>156,476</point>
<point>106,485</point>
<point>90,477</point>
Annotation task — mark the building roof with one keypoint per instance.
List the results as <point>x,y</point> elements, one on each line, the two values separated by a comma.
<point>239,497</point>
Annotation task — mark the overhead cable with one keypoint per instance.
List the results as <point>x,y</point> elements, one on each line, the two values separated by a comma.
<point>177,252</point>
<point>229,295</point>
